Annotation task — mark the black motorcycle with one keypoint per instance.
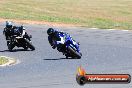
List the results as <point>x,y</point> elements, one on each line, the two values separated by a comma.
<point>19,41</point>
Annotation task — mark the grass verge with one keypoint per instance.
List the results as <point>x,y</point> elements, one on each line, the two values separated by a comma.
<point>89,13</point>
<point>3,60</point>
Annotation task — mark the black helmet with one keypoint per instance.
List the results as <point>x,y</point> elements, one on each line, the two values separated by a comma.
<point>8,24</point>
<point>50,31</point>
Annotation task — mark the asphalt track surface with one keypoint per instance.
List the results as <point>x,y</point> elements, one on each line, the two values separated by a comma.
<point>104,51</point>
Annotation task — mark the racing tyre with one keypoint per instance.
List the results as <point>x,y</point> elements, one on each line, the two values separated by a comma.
<point>29,44</point>
<point>10,46</point>
<point>74,53</point>
<point>25,47</point>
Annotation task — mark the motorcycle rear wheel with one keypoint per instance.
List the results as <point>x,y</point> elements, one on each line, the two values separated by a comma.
<point>10,46</point>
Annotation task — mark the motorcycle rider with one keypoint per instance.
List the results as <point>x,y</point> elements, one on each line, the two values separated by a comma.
<point>11,30</point>
<point>54,36</point>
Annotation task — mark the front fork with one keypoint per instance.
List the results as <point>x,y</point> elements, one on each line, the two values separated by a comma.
<point>74,44</point>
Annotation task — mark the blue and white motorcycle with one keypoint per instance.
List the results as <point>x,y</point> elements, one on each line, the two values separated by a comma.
<point>68,46</point>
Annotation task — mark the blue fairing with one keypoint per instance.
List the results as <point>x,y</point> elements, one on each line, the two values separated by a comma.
<point>69,41</point>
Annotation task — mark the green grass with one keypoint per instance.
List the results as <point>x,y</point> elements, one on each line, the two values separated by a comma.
<point>88,13</point>
<point>3,60</point>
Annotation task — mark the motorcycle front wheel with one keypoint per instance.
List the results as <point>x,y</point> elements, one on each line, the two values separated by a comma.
<point>74,54</point>
<point>29,44</point>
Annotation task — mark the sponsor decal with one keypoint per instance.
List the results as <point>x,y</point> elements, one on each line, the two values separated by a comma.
<point>82,78</point>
